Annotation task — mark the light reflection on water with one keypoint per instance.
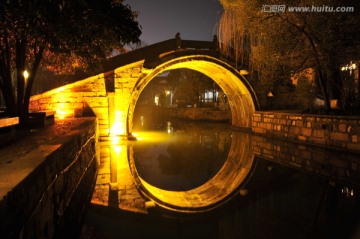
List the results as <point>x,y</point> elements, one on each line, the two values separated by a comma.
<point>295,189</point>
<point>294,192</point>
<point>179,158</point>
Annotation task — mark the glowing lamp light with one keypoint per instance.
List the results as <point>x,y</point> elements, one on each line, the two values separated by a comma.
<point>117,129</point>
<point>115,140</point>
<point>62,111</point>
<point>26,74</point>
<point>118,149</point>
<point>137,136</point>
<point>60,114</point>
<point>350,67</point>
<point>244,72</point>
<point>270,94</point>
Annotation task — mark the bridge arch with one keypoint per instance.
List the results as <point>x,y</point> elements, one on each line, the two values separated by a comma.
<point>241,97</point>
<point>231,178</point>
<point>112,96</point>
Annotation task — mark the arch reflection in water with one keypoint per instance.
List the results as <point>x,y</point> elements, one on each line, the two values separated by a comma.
<point>196,181</point>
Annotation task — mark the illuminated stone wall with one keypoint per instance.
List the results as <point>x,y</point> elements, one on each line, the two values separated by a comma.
<point>87,97</point>
<point>112,95</point>
<point>332,131</point>
<point>90,97</point>
<point>126,79</point>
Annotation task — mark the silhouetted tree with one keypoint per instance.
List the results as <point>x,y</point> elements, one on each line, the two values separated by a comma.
<point>71,32</point>
<point>191,84</point>
<point>275,42</point>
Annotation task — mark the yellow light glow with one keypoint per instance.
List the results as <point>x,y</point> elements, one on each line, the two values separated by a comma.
<point>115,140</point>
<point>119,126</point>
<point>137,136</point>
<point>117,129</point>
<point>62,111</point>
<point>117,149</point>
<point>152,137</point>
<point>26,74</point>
<point>244,72</point>
<point>270,94</point>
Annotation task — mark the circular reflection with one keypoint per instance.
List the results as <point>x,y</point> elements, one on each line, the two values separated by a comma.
<point>191,169</point>
<point>181,157</point>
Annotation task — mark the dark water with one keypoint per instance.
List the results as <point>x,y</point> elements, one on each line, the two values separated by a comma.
<point>180,156</point>
<point>294,191</point>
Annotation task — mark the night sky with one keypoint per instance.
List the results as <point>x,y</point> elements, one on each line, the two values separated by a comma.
<point>162,19</point>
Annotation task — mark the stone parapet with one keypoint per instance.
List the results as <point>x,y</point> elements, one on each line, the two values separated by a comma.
<point>47,179</point>
<point>331,131</point>
<point>199,114</point>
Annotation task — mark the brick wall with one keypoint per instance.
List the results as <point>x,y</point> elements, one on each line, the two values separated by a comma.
<point>332,131</point>
<point>48,181</point>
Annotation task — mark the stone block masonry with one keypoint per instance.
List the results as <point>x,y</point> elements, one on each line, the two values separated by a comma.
<point>95,96</point>
<point>47,179</point>
<point>339,132</point>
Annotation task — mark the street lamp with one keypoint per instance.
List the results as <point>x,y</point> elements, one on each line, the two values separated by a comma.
<point>26,75</point>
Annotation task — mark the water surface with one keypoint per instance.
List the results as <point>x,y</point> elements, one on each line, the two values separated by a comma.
<point>293,191</point>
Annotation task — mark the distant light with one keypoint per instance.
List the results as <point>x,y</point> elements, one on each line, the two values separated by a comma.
<point>244,192</point>
<point>348,192</point>
<point>26,74</point>
<point>244,72</point>
<point>350,67</point>
<point>270,94</point>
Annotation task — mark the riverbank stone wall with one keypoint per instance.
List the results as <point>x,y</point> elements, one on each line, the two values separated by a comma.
<point>342,132</point>
<point>46,180</point>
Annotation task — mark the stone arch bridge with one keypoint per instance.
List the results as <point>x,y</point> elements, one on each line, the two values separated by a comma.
<point>112,94</point>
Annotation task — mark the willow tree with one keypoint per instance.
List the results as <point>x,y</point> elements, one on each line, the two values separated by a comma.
<point>78,32</point>
<point>274,42</point>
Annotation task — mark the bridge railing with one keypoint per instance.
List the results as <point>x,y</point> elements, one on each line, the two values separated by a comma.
<point>206,45</point>
<point>155,51</point>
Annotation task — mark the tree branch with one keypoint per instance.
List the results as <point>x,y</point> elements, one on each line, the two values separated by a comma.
<point>321,79</point>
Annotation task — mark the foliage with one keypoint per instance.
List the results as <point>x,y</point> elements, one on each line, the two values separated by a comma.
<point>75,33</point>
<point>277,44</point>
<point>190,85</point>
